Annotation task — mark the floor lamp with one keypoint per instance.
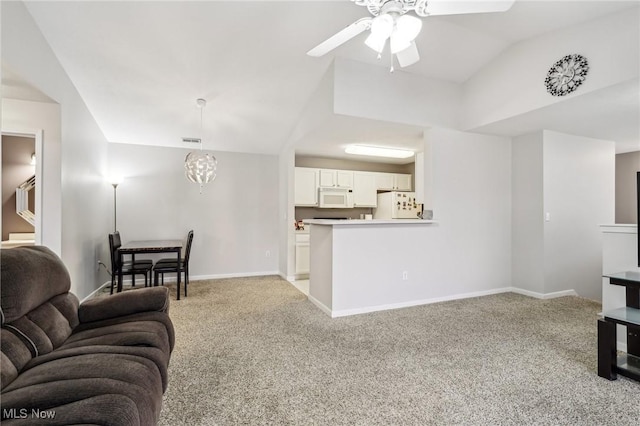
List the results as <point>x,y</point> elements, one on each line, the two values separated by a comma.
<point>115,182</point>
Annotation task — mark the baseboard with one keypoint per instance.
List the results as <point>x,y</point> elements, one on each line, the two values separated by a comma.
<point>220,276</point>
<point>543,295</point>
<point>173,279</point>
<point>299,288</point>
<point>386,307</point>
<point>320,305</point>
<point>290,278</point>
<point>96,291</point>
<point>368,309</point>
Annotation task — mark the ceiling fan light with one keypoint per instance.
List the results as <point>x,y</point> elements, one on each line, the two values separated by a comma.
<point>382,26</point>
<point>408,56</point>
<point>398,44</point>
<point>377,151</point>
<point>376,42</point>
<point>408,27</point>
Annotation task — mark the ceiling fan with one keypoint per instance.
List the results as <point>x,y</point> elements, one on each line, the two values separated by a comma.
<point>392,22</point>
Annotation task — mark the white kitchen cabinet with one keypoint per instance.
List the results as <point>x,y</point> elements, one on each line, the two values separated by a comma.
<point>402,182</point>
<point>306,186</point>
<point>393,182</point>
<point>344,178</point>
<point>302,254</point>
<point>364,189</point>
<point>336,178</point>
<point>327,178</point>
<point>385,181</point>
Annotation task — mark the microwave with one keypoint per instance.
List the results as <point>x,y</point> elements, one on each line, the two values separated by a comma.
<point>335,198</point>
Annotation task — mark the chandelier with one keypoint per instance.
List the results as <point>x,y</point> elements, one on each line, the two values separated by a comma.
<point>200,166</point>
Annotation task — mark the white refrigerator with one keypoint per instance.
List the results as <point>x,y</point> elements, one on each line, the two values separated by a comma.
<point>397,205</point>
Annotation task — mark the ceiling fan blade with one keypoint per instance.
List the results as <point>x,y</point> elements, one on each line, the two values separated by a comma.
<point>408,56</point>
<point>341,37</point>
<point>458,7</point>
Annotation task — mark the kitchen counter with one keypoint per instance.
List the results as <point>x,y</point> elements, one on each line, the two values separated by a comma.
<point>359,266</point>
<point>332,222</point>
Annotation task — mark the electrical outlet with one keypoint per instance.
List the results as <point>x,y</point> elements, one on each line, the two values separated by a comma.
<point>405,275</point>
<point>267,253</point>
<point>98,265</point>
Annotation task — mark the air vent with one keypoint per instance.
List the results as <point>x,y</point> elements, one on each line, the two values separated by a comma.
<point>191,140</point>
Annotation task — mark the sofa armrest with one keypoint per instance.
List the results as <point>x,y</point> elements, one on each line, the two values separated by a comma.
<point>127,303</point>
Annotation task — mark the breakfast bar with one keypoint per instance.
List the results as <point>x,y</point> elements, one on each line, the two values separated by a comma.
<point>359,266</point>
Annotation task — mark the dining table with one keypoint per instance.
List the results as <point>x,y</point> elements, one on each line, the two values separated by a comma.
<point>134,248</point>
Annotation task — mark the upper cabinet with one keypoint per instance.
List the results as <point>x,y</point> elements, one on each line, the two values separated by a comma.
<point>365,185</point>
<point>364,189</point>
<point>306,187</point>
<point>385,181</point>
<point>393,181</point>
<point>402,182</point>
<point>336,178</point>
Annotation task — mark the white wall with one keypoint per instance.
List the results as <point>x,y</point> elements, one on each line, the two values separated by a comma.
<point>317,111</point>
<point>570,179</point>
<point>286,235</point>
<point>235,219</point>
<point>579,196</point>
<point>370,91</point>
<point>526,213</point>
<point>82,149</point>
<point>513,83</point>
<point>466,253</point>
<point>472,204</point>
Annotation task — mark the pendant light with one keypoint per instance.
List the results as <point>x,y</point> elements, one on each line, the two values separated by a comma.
<point>200,166</point>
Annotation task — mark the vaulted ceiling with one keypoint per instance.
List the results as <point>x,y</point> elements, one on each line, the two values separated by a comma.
<point>141,65</point>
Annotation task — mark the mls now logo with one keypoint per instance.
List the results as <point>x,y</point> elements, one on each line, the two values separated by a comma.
<point>23,413</point>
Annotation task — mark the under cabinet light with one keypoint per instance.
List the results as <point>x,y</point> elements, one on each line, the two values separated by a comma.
<point>376,151</point>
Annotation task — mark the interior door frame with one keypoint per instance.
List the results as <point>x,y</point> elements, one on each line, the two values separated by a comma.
<point>37,136</point>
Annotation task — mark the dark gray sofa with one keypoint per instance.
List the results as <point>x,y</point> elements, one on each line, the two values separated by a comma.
<point>103,362</point>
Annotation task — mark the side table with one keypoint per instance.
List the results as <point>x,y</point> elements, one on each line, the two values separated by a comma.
<point>609,363</point>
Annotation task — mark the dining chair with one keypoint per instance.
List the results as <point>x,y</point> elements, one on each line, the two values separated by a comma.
<point>117,243</point>
<point>139,267</point>
<point>170,265</point>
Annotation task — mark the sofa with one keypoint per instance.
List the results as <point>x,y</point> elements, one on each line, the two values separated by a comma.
<point>102,362</point>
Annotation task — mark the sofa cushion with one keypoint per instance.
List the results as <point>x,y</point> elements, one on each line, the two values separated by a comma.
<point>124,304</point>
<point>157,327</point>
<point>103,410</point>
<point>45,326</point>
<point>38,312</point>
<point>161,359</point>
<point>146,330</point>
<point>59,383</point>
<point>30,277</point>
<point>14,356</point>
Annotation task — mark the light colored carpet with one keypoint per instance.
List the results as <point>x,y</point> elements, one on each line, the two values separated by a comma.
<point>255,351</point>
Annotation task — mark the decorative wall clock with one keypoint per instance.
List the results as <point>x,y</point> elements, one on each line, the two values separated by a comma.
<point>566,75</point>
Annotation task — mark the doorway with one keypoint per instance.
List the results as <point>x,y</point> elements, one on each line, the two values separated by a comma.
<point>20,191</point>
